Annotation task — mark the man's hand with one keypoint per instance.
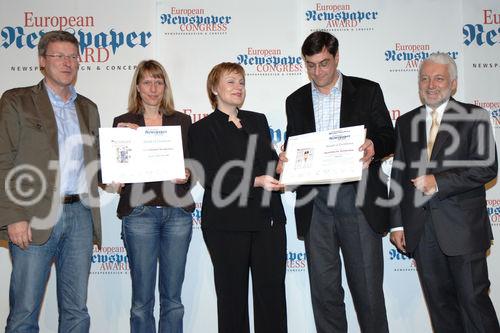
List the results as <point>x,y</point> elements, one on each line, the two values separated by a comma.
<point>282,159</point>
<point>398,239</point>
<point>184,180</point>
<point>20,234</point>
<point>426,184</point>
<point>368,150</point>
<point>268,183</point>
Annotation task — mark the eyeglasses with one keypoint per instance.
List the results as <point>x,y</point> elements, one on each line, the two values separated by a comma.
<point>311,66</point>
<point>61,57</point>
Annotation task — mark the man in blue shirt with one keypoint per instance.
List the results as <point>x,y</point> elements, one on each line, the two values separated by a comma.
<point>331,218</point>
<point>49,199</point>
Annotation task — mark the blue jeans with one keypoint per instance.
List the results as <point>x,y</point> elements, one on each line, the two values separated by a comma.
<point>70,246</point>
<point>151,234</point>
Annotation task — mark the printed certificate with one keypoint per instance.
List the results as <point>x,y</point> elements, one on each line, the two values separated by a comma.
<point>146,154</point>
<point>327,157</point>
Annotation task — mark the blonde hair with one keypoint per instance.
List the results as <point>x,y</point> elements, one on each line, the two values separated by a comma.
<point>156,70</point>
<point>215,75</point>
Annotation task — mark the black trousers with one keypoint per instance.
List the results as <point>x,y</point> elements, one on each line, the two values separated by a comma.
<point>337,225</point>
<point>234,254</point>
<point>455,287</point>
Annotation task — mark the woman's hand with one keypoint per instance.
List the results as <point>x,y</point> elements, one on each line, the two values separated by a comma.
<point>113,187</point>
<point>268,183</point>
<point>129,125</point>
<point>282,160</point>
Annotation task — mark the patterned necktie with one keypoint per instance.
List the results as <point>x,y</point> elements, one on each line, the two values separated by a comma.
<point>432,133</point>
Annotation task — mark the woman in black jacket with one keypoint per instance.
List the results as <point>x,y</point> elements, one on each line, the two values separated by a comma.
<point>156,225</point>
<point>243,220</point>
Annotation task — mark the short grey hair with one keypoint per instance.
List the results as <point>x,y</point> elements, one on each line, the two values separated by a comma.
<point>443,59</point>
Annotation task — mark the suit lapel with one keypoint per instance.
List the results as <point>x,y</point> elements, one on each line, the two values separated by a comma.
<point>347,102</point>
<point>307,109</point>
<point>46,113</point>
<point>421,138</point>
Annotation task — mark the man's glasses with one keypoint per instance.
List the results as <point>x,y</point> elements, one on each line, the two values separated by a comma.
<point>61,57</point>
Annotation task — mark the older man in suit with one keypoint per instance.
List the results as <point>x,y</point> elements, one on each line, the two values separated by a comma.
<point>49,203</point>
<point>445,155</point>
<point>345,217</point>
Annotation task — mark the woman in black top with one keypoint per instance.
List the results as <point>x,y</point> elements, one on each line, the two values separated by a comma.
<point>157,223</point>
<point>243,220</point>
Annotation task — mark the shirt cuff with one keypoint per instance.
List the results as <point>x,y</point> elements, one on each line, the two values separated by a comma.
<point>397,229</point>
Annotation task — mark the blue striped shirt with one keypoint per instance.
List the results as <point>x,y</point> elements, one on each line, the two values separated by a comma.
<point>327,107</point>
<point>71,165</point>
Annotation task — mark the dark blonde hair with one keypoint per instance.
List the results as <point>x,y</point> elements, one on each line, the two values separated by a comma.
<point>156,70</point>
<point>215,75</point>
<point>55,36</point>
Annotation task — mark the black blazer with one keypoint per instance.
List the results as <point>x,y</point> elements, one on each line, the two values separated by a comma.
<point>465,160</point>
<point>214,142</point>
<point>362,104</point>
<point>161,189</point>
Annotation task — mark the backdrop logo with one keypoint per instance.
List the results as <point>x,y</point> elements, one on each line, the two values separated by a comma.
<point>194,21</point>
<point>269,62</point>
<point>94,47</point>
<point>407,57</point>
<point>197,216</point>
<point>401,262</point>
<point>494,109</point>
<point>484,34</point>
<point>109,260</point>
<point>493,207</point>
<point>395,113</point>
<point>278,136</point>
<point>340,17</point>
<point>194,116</point>
<point>296,261</point>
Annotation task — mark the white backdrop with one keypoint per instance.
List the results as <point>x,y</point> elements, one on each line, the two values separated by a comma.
<point>379,40</point>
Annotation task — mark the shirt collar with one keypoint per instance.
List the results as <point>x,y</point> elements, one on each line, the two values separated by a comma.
<point>336,87</point>
<point>56,99</point>
<point>440,109</point>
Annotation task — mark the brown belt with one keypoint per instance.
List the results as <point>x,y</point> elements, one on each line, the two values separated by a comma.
<point>70,198</point>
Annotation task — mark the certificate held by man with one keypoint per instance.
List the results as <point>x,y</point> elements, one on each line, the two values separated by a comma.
<point>145,154</point>
<point>327,157</point>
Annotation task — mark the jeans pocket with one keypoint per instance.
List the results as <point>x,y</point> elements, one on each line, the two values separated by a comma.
<point>185,211</point>
<point>137,211</point>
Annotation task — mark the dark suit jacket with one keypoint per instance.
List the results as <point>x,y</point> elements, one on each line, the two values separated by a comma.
<point>465,160</point>
<point>214,142</point>
<point>362,104</point>
<point>164,190</point>
<point>28,136</point>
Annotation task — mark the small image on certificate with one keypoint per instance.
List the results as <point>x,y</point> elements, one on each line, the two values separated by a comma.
<point>327,157</point>
<point>304,158</point>
<point>123,152</point>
